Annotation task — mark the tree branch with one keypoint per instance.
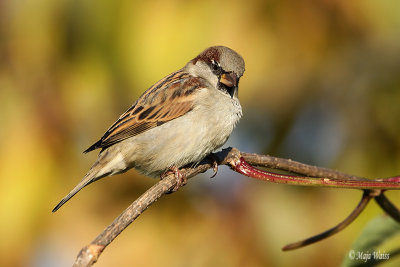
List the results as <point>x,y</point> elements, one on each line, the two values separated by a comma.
<point>240,162</point>
<point>90,253</point>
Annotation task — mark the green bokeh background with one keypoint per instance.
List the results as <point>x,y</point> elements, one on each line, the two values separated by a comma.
<point>322,86</point>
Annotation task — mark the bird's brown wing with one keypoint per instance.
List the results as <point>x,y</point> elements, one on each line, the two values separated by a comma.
<point>168,99</point>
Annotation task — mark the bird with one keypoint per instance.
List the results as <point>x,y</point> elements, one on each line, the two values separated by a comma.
<point>181,119</point>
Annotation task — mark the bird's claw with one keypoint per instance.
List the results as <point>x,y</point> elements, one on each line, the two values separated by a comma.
<point>181,179</point>
<point>214,159</point>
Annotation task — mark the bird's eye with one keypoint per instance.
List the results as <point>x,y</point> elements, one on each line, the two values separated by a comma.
<point>214,65</point>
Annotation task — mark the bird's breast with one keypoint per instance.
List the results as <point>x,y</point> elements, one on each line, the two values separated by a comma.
<point>186,139</point>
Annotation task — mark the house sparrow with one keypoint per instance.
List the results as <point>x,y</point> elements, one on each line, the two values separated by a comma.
<point>179,120</point>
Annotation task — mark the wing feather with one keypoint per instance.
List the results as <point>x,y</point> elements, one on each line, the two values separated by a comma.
<point>168,99</point>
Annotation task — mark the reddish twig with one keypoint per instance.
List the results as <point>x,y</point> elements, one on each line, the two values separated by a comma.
<point>246,169</point>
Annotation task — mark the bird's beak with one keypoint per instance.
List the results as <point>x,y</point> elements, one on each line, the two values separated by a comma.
<point>229,79</point>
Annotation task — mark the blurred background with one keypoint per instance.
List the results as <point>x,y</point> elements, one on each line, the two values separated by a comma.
<point>322,86</point>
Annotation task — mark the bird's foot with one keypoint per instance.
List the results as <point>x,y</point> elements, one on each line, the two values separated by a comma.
<point>181,179</point>
<point>214,161</point>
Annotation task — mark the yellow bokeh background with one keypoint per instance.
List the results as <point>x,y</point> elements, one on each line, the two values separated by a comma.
<point>322,86</point>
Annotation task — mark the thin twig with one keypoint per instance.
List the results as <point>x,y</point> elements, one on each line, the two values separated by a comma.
<point>388,206</point>
<point>295,167</point>
<point>336,229</point>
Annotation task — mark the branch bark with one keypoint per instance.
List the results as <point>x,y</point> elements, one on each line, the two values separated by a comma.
<point>244,163</point>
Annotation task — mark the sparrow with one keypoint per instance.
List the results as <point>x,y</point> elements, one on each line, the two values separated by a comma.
<point>179,120</point>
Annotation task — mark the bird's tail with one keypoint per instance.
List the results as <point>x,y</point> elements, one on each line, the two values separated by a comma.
<point>94,174</point>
